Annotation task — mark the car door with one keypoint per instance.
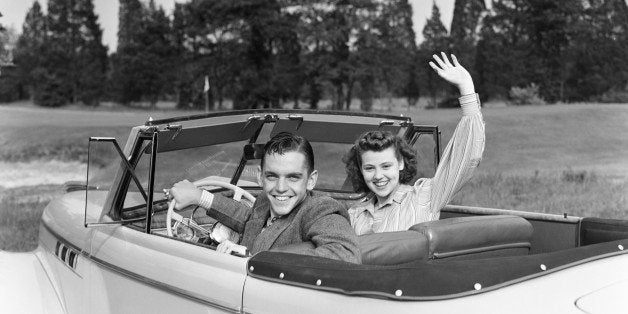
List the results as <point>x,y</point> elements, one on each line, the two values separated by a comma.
<point>136,269</point>
<point>136,272</point>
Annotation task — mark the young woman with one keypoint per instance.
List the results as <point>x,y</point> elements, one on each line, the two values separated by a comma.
<point>384,165</point>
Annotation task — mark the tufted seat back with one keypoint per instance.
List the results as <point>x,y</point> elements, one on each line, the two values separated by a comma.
<point>452,238</point>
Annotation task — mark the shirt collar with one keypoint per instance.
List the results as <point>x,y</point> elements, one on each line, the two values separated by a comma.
<point>395,197</point>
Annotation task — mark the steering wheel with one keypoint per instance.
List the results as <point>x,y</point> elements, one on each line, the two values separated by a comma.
<point>219,232</point>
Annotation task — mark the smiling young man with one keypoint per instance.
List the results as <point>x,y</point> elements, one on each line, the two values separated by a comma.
<point>287,216</point>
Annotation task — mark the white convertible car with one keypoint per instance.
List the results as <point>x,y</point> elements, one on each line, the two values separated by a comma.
<point>112,245</point>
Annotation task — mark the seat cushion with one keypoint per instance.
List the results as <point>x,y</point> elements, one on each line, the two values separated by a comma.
<point>477,236</point>
<point>392,248</point>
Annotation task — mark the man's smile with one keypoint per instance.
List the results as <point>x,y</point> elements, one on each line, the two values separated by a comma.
<point>282,198</point>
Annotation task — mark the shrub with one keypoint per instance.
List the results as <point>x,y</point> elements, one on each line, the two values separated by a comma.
<point>614,96</point>
<point>526,95</point>
<point>577,176</point>
<point>449,102</point>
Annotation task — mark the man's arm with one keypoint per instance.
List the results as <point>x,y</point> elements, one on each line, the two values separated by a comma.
<point>229,212</point>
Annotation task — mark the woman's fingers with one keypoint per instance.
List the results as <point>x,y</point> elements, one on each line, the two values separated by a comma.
<point>439,61</point>
<point>434,66</point>
<point>445,59</point>
<point>455,60</point>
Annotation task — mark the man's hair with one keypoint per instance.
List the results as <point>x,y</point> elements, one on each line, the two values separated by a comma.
<point>378,141</point>
<point>285,142</point>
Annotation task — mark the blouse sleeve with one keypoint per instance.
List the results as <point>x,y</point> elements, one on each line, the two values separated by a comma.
<point>461,156</point>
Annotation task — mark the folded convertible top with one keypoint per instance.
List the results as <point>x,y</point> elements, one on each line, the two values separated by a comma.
<point>421,280</point>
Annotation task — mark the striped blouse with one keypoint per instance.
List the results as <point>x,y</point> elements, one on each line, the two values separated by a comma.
<point>409,205</point>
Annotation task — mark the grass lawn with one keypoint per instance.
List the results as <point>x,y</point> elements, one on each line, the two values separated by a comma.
<point>557,158</point>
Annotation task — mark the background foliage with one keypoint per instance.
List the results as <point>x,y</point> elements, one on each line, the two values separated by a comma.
<point>265,53</point>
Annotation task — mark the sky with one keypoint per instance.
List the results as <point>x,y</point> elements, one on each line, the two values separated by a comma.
<point>14,12</point>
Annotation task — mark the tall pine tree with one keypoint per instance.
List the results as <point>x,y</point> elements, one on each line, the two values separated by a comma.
<point>436,39</point>
<point>74,58</point>
<point>29,51</point>
<point>465,31</point>
<point>142,64</point>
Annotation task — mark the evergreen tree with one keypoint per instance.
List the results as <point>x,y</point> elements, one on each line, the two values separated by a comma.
<point>436,39</point>
<point>157,54</point>
<point>10,89</point>
<point>126,67</point>
<point>91,56</point>
<point>574,50</point>
<point>72,58</point>
<point>143,63</point>
<point>465,31</point>
<point>601,41</point>
<point>130,13</point>
<point>503,52</point>
<point>398,49</point>
<point>29,51</point>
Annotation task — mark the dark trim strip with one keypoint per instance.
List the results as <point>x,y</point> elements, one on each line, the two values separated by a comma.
<point>496,247</point>
<point>393,298</point>
<point>475,210</point>
<point>142,279</point>
<point>275,111</point>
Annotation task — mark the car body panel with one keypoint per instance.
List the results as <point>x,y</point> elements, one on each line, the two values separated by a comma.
<point>610,299</point>
<point>189,273</point>
<point>552,293</point>
<point>26,285</point>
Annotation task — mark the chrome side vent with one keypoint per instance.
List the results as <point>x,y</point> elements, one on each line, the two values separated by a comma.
<point>67,255</point>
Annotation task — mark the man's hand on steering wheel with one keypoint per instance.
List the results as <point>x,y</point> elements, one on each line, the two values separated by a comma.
<point>185,193</point>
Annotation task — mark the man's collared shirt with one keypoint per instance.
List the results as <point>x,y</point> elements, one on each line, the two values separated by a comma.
<point>409,205</point>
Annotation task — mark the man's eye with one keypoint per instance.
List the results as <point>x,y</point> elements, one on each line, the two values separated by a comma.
<point>271,177</point>
<point>294,179</point>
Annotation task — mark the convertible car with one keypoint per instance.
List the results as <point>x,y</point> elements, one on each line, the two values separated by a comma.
<point>113,244</point>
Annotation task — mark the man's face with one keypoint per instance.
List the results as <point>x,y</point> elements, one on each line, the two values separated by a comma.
<point>285,180</point>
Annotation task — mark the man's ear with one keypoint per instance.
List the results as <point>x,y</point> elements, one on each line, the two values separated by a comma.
<point>259,176</point>
<point>311,180</point>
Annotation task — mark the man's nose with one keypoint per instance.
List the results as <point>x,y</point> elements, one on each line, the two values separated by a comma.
<point>281,185</point>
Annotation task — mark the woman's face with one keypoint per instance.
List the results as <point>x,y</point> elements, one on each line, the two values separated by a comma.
<point>381,171</point>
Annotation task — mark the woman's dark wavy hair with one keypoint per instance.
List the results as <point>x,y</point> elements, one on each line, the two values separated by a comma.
<point>379,141</point>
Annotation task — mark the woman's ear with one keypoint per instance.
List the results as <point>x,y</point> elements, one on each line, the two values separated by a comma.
<point>401,164</point>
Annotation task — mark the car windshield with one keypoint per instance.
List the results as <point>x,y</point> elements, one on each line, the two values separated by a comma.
<point>220,162</point>
<point>230,147</point>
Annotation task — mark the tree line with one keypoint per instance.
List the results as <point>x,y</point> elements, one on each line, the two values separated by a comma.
<point>264,53</point>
